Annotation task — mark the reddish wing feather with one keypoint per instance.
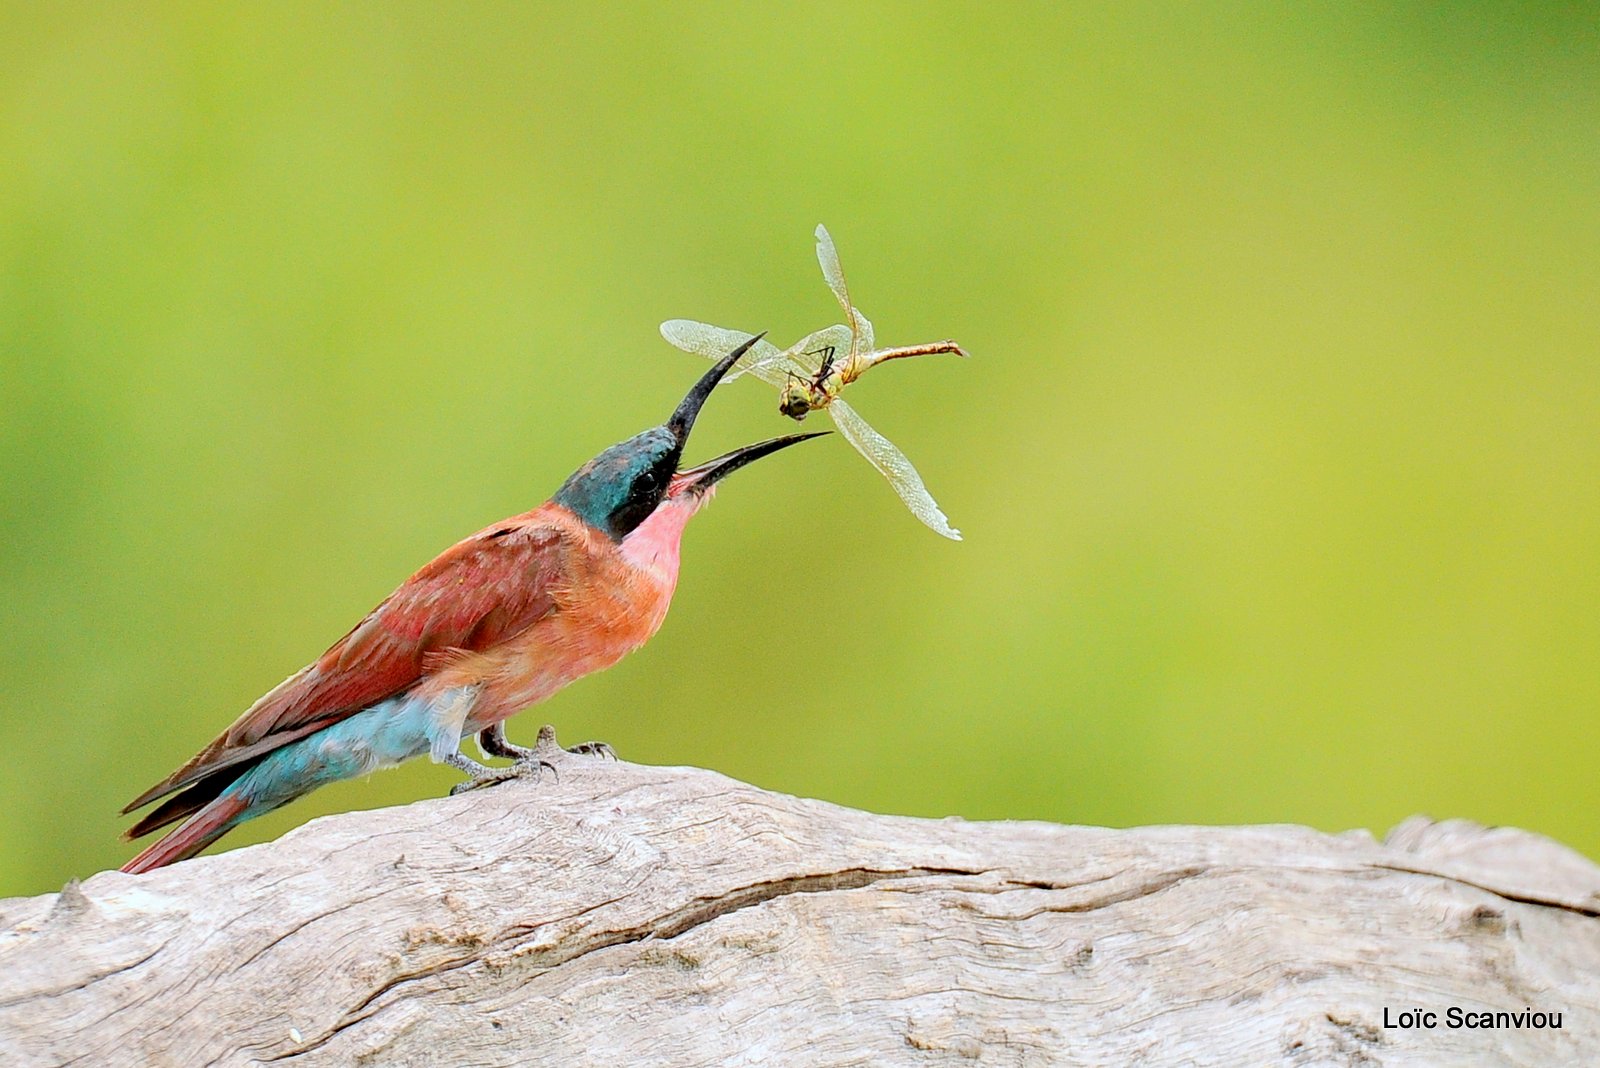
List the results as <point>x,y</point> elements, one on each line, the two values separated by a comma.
<point>474,595</point>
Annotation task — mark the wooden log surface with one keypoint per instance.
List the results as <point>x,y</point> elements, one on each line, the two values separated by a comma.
<point>632,915</point>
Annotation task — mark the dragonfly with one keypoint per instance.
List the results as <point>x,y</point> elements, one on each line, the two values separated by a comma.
<point>811,373</point>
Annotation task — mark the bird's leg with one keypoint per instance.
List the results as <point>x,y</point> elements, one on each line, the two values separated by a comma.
<point>483,775</point>
<point>493,741</point>
<point>447,717</point>
<point>526,763</point>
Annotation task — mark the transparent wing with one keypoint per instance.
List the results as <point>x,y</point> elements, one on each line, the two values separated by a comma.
<point>892,465</point>
<point>832,273</point>
<point>805,356</point>
<point>715,342</point>
<point>828,257</point>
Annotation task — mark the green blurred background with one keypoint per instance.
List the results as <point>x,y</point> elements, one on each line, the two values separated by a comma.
<point>1277,456</point>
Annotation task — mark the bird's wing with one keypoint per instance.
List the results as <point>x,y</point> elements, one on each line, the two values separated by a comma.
<point>892,465</point>
<point>474,595</point>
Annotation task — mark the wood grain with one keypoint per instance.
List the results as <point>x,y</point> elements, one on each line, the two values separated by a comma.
<point>631,915</point>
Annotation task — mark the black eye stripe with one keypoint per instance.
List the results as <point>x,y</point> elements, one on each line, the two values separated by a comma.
<point>646,490</point>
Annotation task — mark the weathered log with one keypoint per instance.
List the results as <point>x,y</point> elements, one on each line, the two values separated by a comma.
<point>631,915</point>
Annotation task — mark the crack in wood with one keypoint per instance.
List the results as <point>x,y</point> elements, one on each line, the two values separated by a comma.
<point>34,995</point>
<point>679,921</point>
<point>707,909</point>
<point>1591,911</point>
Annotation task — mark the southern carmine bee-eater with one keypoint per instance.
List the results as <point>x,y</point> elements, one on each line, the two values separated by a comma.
<point>494,624</point>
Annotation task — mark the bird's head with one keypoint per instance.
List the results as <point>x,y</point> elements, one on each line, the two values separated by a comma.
<point>625,485</point>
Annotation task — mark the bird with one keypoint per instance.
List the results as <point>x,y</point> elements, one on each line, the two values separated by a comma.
<point>497,622</point>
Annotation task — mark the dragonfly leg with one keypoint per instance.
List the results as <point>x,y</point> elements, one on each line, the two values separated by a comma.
<point>827,361</point>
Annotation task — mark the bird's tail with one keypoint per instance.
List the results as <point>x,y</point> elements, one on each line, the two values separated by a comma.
<point>213,821</point>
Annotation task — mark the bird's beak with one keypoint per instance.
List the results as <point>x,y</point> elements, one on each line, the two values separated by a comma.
<point>682,420</point>
<point>701,478</point>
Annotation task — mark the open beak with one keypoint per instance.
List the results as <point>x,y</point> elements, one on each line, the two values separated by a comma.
<point>701,478</point>
<point>682,420</point>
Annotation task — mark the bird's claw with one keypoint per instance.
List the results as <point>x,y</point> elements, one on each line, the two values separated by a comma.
<point>547,745</point>
<point>527,763</point>
<point>532,769</point>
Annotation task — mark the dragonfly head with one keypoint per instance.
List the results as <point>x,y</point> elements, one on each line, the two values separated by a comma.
<point>802,396</point>
<point>795,400</point>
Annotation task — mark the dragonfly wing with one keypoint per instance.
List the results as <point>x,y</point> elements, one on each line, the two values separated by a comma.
<point>865,342</point>
<point>828,257</point>
<point>805,356</point>
<point>715,342</point>
<point>892,465</point>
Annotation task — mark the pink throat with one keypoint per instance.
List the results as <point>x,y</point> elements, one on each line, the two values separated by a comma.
<point>653,545</point>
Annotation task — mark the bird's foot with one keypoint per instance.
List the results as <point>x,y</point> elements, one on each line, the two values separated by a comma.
<point>547,746</point>
<point>594,749</point>
<point>531,768</point>
<point>494,743</point>
<point>526,763</point>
